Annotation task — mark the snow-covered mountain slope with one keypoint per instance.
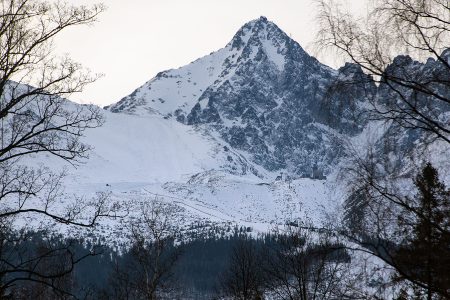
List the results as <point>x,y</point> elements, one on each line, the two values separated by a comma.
<point>214,203</point>
<point>137,159</point>
<point>153,149</point>
<point>211,186</point>
<point>174,90</point>
<point>263,94</point>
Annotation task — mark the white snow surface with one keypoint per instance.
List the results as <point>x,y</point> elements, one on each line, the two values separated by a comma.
<point>140,159</point>
<point>151,149</point>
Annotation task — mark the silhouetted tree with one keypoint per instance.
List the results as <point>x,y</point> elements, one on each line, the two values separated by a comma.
<point>412,96</point>
<point>147,271</point>
<point>424,253</point>
<point>35,120</point>
<point>244,279</point>
<point>409,233</point>
<point>305,264</point>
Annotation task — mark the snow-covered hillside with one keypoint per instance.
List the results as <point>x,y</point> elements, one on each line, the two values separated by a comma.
<point>151,149</point>
<point>138,159</point>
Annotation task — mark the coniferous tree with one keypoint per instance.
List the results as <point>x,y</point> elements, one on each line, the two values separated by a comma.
<point>424,255</point>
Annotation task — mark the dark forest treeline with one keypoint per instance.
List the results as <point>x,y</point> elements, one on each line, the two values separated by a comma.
<point>201,270</point>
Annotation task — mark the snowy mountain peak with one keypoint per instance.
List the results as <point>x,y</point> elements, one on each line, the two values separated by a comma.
<point>258,42</point>
<point>256,29</point>
<point>261,94</point>
<point>261,38</point>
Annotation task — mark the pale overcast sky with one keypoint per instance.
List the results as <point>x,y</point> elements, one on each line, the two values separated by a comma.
<point>135,39</point>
